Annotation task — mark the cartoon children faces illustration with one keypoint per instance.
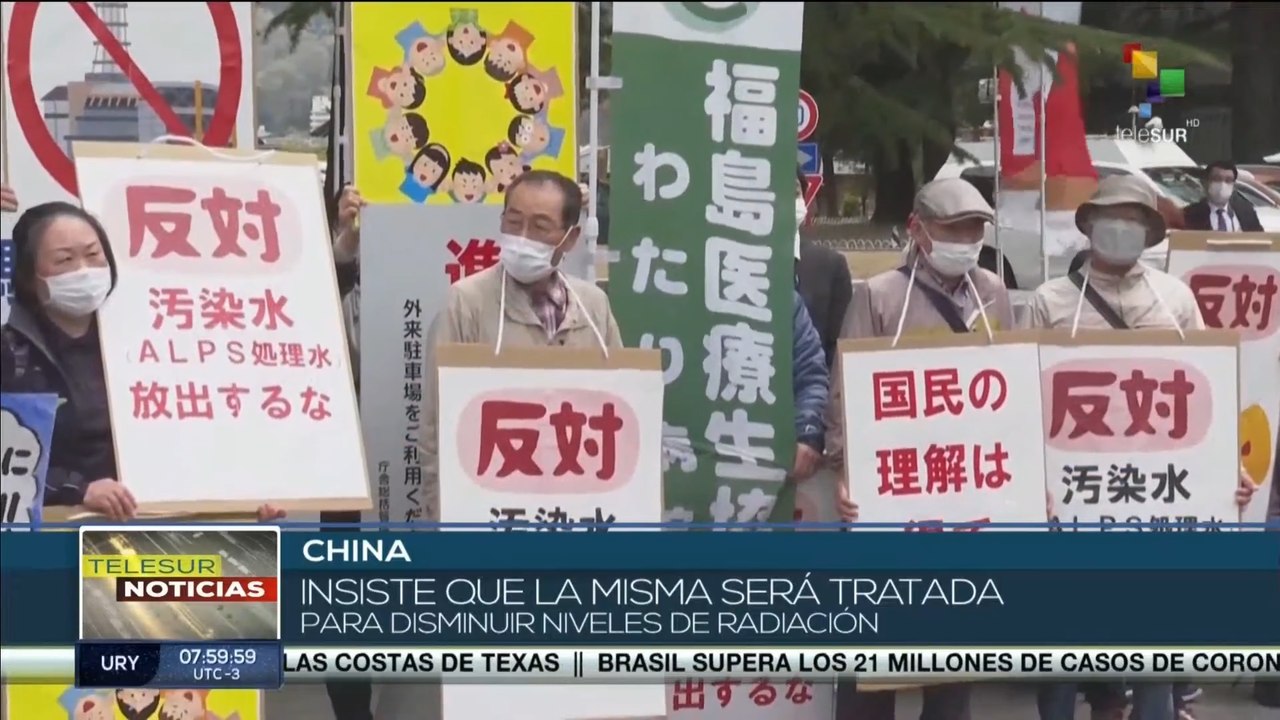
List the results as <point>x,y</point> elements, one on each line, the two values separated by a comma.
<point>508,53</point>
<point>530,91</point>
<point>465,38</point>
<point>427,168</point>
<point>138,703</point>
<point>183,704</point>
<point>526,94</point>
<point>504,165</point>
<point>401,87</point>
<point>402,136</point>
<point>468,182</point>
<point>426,173</point>
<point>423,52</point>
<point>535,137</point>
<point>94,706</point>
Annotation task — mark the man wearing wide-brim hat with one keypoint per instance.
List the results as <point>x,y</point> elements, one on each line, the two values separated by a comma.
<point>1121,220</point>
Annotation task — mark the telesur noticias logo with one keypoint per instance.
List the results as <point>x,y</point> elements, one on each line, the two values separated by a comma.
<point>1161,84</point>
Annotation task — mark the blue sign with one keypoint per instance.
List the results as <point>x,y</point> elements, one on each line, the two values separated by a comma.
<point>26,434</point>
<point>810,158</point>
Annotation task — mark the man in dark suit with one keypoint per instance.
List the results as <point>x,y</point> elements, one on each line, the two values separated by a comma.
<point>822,277</point>
<point>1223,209</point>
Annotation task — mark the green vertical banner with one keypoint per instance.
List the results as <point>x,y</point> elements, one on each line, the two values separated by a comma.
<point>704,173</point>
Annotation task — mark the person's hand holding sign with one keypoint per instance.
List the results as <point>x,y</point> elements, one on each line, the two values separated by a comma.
<point>110,498</point>
<point>346,246</point>
<point>8,199</point>
<point>807,459</point>
<point>268,513</point>
<point>844,503</point>
<point>1244,491</point>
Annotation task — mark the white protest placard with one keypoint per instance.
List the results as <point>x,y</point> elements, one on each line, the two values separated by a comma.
<point>944,429</point>
<point>226,364</point>
<point>794,699</point>
<point>543,439</point>
<point>547,438</point>
<point>1235,279</point>
<point>1140,425</point>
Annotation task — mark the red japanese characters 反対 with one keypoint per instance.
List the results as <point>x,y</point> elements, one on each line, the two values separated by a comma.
<point>1238,298</point>
<point>549,441</point>
<point>229,220</point>
<point>1123,405</point>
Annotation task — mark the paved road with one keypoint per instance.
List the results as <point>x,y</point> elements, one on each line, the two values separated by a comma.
<point>993,702</point>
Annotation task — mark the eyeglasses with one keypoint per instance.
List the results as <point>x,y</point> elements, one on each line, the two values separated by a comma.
<point>515,224</point>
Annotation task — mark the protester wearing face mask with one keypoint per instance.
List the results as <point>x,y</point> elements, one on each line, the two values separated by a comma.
<point>938,289</point>
<point>822,277</point>
<point>525,300</point>
<point>1223,209</point>
<point>1121,221</point>
<point>63,271</point>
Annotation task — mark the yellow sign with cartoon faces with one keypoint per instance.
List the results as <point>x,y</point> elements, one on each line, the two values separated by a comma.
<point>451,103</point>
<point>65,702</point>
<point>1255,445</point>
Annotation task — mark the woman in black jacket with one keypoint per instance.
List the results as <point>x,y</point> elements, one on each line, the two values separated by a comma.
<point>63,271</point>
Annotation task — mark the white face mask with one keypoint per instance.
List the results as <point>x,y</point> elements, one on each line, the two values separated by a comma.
<point>952,259</point>
<point>528,261</point>
<point>1117,240</point>
<point>802,211</point>
<point>1220,192</point>
<point>79,293</point>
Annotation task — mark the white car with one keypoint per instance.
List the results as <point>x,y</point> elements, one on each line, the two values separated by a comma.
<point>1267,207</point>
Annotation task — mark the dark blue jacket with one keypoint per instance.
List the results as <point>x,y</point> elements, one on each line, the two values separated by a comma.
<point>35,358</point>
<point>809,378</point>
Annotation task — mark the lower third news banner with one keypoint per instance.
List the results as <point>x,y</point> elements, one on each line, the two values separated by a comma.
<point>174,607</point>
<point>617,666</point>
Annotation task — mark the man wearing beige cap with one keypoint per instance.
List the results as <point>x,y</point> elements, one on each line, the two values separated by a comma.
<point>1120,293</point>
<point>938,289</point>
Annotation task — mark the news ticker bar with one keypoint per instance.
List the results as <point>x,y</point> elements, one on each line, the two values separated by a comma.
<point>632,666</point>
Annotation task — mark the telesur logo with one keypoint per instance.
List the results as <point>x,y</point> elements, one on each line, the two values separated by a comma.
<point>1161,83</point>
<point>1152,134</point>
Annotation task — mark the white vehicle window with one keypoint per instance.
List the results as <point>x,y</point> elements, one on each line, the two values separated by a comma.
<point>1177,182</point>
<point>1253,196</point>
